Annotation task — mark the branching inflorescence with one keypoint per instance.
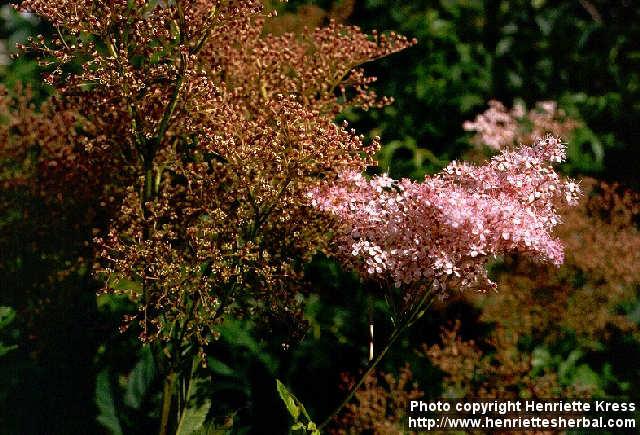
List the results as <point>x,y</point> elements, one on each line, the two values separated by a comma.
<point>443,231</point>
<point>212,133</point>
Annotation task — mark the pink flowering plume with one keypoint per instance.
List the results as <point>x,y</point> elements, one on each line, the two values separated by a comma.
<point>441,232</point>
<point>498,127</point>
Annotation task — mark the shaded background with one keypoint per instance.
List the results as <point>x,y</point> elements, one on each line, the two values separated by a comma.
<point>568,332</point>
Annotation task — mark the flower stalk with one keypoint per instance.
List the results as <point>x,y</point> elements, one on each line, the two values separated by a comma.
<point>412,316</point>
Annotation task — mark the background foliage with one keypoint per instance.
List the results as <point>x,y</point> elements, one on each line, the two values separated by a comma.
<point>566,332</point>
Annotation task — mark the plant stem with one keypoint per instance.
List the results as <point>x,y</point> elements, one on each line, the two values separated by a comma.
<point>411,318</point>
<point>370,367</point>
<point>167,396</point>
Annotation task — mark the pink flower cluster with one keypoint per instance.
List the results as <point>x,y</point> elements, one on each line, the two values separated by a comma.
<point>496,127</point>
<point>499,128</point>
<point>442,232</point>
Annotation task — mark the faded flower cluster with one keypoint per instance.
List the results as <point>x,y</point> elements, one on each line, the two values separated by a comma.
<point>444,230</point>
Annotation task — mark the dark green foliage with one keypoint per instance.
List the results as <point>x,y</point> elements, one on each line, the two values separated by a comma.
<point>16,28</point>
<point>472,51</point>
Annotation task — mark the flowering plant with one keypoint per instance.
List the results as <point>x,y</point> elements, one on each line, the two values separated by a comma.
<point>210,170</point>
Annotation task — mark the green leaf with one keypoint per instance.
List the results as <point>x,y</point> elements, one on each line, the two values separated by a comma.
<point>288,399</point>
<point>140,378</point>
<point>585,377</point>
<point>219,426</point>
<point>541,359</point>
<point>566,368</point>
<point>238,333</point>
<point>107,415</point>
<point>219,367</point>
<point>7,314</point>
<point>6,349</point>
<point>125,285</point>
<point>195,413</point>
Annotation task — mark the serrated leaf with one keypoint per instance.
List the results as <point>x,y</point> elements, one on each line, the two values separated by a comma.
<point>140,378</point>
<point>107,415</point>
<point>195,413</point>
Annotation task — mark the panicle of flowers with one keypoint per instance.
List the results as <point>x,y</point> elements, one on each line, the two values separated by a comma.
<point>39,150</point>
<point>310,67</point>
<point>498,128</point>
<point>49,190</point>
<point>444,230</point>
<point>212,132</point>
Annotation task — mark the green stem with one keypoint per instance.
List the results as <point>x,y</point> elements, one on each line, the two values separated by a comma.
<point>167,396</point>
<point>413,316</point>
<point>148,184</point>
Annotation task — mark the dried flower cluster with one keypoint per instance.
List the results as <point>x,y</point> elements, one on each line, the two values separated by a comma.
<point>380,404</point>
<point>505,373</point>
<point>498,128</point>
<point>208,133</point>
<point>308,15</point>
<point>48,188</point>
<point>444,230</point>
